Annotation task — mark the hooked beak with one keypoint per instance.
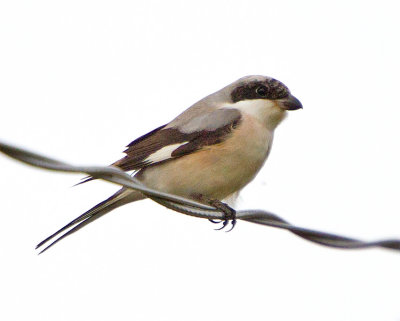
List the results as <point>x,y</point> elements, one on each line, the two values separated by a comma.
<point>290,103</point>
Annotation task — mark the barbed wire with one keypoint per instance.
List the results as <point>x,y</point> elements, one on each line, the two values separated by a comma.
<point>187,206</point>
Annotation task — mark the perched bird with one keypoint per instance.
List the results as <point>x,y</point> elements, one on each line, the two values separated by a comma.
<point>208,153</point>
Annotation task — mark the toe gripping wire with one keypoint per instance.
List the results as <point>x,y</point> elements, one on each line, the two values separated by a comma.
<point>191,207</point>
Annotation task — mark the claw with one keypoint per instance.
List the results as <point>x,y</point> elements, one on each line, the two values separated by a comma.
<point>214,221</point>
<point>224,224</point>
<point>233,226</point>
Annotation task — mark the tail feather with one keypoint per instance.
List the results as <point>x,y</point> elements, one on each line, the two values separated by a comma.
<point>85,180</point>
<point>122,197</point>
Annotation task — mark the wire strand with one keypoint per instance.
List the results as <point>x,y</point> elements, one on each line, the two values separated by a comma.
<point>187,206</point>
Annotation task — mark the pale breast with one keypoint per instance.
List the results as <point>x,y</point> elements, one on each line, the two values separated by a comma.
<point>218,170</point>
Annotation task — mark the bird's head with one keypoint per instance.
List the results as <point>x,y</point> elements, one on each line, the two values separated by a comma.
<point>263,97</point>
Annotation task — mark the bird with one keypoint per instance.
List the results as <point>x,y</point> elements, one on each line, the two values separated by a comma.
<point>208,153</point>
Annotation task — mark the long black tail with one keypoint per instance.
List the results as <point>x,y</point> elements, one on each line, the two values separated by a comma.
<point>122,197</point>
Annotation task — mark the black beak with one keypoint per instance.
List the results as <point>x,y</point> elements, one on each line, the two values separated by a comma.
<point>290,103</point>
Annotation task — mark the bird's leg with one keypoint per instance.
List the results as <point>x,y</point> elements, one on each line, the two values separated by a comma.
<point>229,212</point>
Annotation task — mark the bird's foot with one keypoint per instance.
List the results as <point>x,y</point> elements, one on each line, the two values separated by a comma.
<point>224,224</point>
<point>229,214</point>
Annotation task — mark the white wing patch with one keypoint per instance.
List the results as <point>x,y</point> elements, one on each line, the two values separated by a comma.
<point>163,153</point>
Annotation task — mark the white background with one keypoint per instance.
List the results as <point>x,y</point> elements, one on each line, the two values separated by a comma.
<point>80,79</point>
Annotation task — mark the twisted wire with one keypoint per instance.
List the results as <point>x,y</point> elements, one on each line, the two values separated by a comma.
<point>184,205</point>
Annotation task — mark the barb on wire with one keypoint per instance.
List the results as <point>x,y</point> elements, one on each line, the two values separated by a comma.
<point>187,206</point>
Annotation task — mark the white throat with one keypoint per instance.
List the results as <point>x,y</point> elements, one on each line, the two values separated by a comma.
<point>265,111</point>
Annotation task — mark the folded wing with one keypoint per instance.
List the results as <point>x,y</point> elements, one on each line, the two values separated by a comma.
<point>165,143</point>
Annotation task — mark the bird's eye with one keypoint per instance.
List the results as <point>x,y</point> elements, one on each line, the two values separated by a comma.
<point>262,91</point>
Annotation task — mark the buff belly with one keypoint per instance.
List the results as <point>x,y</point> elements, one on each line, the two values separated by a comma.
<point>216,171</point>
